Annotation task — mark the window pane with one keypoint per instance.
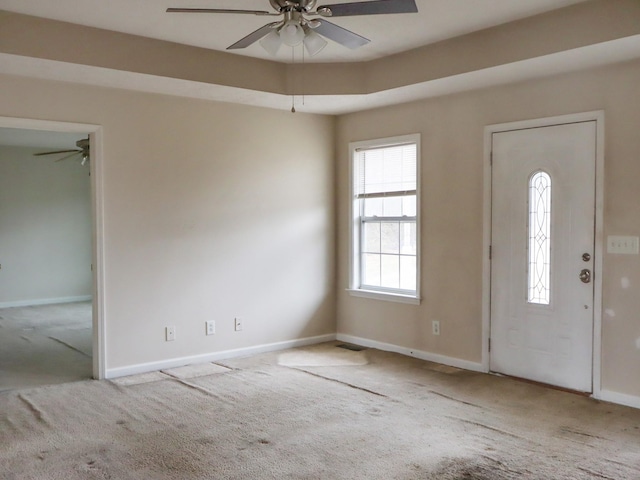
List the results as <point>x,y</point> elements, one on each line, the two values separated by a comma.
<point>373,207</point>
<point>408,273</point>
<point>371,269</point>
<point>390,271</point>
<point>371,243</point>
<point>392,207</point>
<point>408,238</point>
<point>390,237</point>
<point>409,206</point>
<point>539,238</point>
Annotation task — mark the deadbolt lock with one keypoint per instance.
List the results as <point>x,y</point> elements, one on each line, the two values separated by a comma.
<point>586,257</point>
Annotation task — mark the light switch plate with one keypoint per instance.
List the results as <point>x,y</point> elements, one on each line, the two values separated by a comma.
<point>623,244</point>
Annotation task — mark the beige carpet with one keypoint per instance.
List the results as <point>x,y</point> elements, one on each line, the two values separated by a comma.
<point>45,345</point>
<point>392,418</point>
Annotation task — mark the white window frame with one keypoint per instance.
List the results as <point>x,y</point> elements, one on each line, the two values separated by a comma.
<point>355,224</point>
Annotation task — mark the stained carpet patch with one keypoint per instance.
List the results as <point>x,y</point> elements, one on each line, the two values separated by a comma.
<point>326,355</point>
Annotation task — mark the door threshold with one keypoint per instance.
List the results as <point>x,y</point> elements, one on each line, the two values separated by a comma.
<point>544,385</point>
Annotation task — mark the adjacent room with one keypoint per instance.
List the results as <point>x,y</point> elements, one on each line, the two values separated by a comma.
<point>46,282</point>
<point>378,239</point>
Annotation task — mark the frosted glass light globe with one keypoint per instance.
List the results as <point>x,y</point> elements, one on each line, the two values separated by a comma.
<point>291,33</point>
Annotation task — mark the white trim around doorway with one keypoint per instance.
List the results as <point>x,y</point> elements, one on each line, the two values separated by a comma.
<point>598,117</point>
<point>97,204</point>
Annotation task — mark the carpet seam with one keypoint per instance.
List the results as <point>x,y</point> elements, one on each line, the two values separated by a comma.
<point>69,346</point>
<point>340,382</point>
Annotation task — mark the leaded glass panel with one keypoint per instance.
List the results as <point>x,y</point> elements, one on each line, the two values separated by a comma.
<point>539,238</point>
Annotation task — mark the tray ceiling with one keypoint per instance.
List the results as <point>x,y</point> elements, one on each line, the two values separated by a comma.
<point>437,20</point>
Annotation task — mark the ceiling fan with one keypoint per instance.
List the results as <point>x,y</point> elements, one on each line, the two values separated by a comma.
<point>82,150</point>
<point>296,27</point>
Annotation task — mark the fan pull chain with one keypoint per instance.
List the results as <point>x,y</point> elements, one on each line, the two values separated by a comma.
<point>302,74</point>
<point>293,83</point>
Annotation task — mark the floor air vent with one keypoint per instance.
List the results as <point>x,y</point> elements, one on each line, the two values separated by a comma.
<point>354,348</point>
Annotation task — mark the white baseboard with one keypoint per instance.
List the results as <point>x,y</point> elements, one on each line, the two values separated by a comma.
<point>619,398</point>
<point>422,355</point>
<point>212,357</point>
<point>45,301</point>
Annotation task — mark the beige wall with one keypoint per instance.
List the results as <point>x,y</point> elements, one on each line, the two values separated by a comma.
<point>211,211</point>
<point>45,228</point>
<point>214,211</point>
<point>452,209</point>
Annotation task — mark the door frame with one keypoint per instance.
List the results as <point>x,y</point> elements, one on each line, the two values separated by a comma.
<point>489,130</point>
<point>97,211</point>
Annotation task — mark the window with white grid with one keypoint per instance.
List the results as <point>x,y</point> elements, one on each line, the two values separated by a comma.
<point>385,216</point>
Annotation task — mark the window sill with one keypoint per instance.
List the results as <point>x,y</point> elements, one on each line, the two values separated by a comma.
<point>389,297</point>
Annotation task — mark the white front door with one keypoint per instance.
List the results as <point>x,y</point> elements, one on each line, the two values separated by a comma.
<point>542,249</point>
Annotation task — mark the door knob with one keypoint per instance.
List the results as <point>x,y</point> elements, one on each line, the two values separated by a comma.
<point>585,275</point>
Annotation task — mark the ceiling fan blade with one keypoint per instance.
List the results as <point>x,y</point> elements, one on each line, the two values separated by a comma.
<point>53,153</point>
<point>340,35</point>
<point>252,37</point>
<point>219,10</point>
<point>69,156</point>
<point>375,7</point>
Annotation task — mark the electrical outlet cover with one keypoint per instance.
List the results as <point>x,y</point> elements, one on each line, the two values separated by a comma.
<point>435,325</point>
<point>210,327</point>
<point>170,333</point>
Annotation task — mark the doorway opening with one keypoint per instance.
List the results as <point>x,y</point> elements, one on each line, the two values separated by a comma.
<point>544,243</point>
<point>51,263</point>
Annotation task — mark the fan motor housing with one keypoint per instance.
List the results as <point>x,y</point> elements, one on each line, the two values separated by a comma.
<point>293,5</point>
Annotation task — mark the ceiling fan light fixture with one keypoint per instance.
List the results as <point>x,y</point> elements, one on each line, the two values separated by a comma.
<point>271,42</point>
<point>314,43</point>
<point>292,33</point>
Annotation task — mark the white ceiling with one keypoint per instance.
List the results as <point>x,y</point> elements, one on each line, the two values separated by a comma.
<point>437,20</point>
